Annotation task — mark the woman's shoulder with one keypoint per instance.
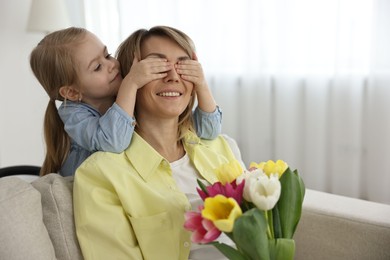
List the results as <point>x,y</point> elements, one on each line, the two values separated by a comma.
<point>223,139</point>
<point>220,138</point>
<point>101,157</point>
<point>103,163</point>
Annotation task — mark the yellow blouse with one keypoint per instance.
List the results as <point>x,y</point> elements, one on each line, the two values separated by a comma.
<point>128,206</point>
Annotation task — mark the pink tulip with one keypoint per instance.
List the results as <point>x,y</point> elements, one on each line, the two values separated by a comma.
<point>203,230</point>
<point>229,190</point>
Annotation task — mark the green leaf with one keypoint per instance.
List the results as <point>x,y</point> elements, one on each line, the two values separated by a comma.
<point>202,186</point>
<point>282,249</point>
<point>301,184</point>
<point>290,202</point>
<point>250,234</point>
<point>276,223</point>
<point>229,251</point>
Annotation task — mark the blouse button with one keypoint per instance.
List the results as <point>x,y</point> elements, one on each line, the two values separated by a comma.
<point>165,164</point>
<point>186,244</point>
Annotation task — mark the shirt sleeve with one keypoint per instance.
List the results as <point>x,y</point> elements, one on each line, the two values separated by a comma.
<point>103,227</point>
<point>208,125</point>
<point>110,132</point>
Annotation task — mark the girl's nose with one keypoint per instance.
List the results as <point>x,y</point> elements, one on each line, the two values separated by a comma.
<point>112,64</point>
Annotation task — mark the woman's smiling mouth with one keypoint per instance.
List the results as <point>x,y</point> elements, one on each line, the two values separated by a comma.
<point>169,94</point>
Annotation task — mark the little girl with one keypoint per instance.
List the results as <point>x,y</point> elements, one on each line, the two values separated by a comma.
<point>97,112</point>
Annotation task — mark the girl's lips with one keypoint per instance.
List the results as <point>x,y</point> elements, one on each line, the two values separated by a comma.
<point>117,76</point>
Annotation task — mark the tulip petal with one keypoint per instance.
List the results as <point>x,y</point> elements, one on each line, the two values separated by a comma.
<point>264,191</point>
<point>212,231</point>
<point>228,172</point>
<point>222,211</point>
<point>203,230</point>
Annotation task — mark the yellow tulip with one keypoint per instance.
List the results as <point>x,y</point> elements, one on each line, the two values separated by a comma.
<point>228,172</point>
<point>257,165</point>
<point>222,211</point>
<point>270,167</point>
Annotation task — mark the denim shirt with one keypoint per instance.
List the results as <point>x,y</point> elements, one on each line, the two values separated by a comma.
<point>89,131</point>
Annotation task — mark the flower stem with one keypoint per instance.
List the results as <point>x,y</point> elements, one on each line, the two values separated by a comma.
<point>246,206</point>
<point>270,229</point>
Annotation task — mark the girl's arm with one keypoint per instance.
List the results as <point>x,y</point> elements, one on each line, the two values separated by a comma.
<point>207,116</point>
<point>111,132</point>
<point>208,125</point>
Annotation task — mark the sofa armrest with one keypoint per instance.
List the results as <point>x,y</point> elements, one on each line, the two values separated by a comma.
<point>339,227</point>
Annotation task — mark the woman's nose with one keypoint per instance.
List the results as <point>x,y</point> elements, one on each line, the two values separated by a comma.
<point>172,75</point>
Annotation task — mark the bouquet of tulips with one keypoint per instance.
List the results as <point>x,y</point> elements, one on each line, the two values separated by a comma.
<point>258,209</point>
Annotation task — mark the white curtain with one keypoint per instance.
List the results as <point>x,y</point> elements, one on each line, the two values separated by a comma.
<point>306,81</point>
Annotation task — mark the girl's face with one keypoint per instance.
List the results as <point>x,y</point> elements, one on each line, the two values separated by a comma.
<point>98,73</point>
<point>167,97</point>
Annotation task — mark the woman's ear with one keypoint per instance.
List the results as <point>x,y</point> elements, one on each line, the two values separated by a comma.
<point>70,93</point>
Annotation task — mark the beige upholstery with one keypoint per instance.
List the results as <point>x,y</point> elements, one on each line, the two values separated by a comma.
<point>337,227</point>
<point>36,223</point>
<point>23,235</point>
<point>36,220</point>
<point>57,204</point>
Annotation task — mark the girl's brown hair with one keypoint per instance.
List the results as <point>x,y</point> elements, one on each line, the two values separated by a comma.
<point>131,47</point>
<point>52,64</point>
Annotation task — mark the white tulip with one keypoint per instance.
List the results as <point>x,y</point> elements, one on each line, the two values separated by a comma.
<point>248,176</point>
<point>263,191</point>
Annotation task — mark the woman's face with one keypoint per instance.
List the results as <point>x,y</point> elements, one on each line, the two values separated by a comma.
<point>167,97</point>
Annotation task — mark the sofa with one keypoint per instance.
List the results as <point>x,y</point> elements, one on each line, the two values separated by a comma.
<point>36,222</point>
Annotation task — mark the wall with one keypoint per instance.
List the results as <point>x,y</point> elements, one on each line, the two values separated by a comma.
<point>22,100</point>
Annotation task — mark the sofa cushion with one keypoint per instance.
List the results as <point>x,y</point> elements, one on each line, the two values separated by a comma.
<point>57,203</point>
<point>23,234</point>
<point>337,227</point>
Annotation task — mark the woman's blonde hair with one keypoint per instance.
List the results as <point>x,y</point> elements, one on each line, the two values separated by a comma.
<point>52,64</point>
<point>132,47</point>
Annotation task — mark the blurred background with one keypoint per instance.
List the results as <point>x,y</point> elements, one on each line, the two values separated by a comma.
<point>306,81</point>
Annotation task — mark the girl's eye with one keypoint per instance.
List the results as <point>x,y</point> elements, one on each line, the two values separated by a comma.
<point>97,67</point>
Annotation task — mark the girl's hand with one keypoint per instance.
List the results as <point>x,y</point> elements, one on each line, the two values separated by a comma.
<point>141,73</point>
<point>191,70</point>
<point>147,70</point>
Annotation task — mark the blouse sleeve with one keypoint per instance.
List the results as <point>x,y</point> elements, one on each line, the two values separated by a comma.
<point>103,228</point>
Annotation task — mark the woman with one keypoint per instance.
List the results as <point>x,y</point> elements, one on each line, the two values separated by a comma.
<point>131,205</point>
